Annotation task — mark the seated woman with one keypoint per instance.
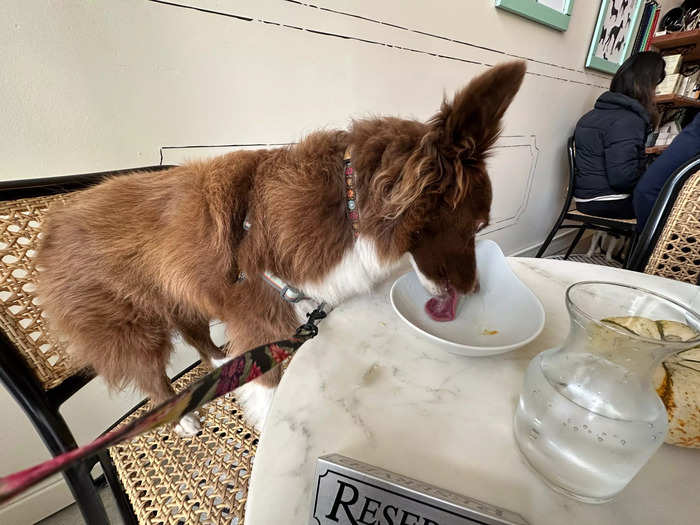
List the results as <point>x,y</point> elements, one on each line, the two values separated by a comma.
<point>683,148</point>
<point>610,139</point>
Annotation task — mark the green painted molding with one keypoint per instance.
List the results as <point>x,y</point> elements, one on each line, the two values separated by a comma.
<point>607,66</point>
<point>594,62</point>
<point>533,10</point>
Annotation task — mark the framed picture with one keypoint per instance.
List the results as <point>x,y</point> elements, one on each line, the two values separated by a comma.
<point>613,34</point>
<point>553,13</point>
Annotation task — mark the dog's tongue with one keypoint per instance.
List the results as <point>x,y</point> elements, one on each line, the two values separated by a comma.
<point>443,307</point>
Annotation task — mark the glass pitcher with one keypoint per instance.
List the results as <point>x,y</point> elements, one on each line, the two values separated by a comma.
<point>589,417</point>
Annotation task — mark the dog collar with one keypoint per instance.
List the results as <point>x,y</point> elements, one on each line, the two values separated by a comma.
<point>353,209</point>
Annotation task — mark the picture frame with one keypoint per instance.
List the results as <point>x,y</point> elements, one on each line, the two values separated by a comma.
<point>613,35</point>
<point>552,13</point>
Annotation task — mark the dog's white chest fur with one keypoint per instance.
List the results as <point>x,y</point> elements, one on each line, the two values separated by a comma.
<point>356,273</point>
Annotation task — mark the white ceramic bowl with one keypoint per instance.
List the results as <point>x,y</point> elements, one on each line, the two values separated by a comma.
<point>502,316</point>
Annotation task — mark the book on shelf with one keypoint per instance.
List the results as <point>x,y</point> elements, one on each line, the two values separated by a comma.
<point>669,85</point>
<point>695,87</point>
<point>643,26</point>
<point>652,28</point>
<point>685,83</point>
<point>672,122</point>
<point>667,132</point>
<point>665,138</point>
<point>673,64</point>
<point>651,139</point>
<point>653,7</point>
<point>691,88</point>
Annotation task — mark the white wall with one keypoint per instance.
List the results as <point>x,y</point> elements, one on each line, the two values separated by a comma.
<point>667,5</point>
<point>97,85</point>
<point>91,86</point>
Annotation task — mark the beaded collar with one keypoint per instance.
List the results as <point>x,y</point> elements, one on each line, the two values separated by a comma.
<point>351,194</point>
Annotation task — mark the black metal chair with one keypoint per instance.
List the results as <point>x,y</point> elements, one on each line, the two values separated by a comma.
<point>39,387</point>
<point>157,477</point>
<point>669,244</point>
<point>577,220</point>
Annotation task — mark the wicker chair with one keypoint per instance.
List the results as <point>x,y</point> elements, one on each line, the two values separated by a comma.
<point>625,228</point>
<point>158,477</point>
<point>669,245</point>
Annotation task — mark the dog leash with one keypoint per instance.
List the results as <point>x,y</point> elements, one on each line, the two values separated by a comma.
<point>220,381</point>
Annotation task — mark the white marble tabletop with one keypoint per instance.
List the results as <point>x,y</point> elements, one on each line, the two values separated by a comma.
<point>370,388</point>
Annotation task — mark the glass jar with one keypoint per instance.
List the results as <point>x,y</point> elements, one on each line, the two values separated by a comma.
<point>589,417</point>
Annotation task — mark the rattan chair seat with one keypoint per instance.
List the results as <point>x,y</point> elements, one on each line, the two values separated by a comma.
<point>21,317</point>
<point>204,479</point>
<point>677,251</point>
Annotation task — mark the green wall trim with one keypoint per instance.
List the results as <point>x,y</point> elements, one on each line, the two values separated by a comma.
<point>594,62</point>
<point>532,10</point>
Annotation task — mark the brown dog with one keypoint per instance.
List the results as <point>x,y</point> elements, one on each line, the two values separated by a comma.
<point>129,261</point>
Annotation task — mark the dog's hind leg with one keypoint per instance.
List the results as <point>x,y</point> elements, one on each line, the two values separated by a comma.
<point>149,353</point>
<point>160,389</point>
<point>196,333</point>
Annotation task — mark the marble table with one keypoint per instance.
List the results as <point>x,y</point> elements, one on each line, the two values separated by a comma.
<point>370,388</point>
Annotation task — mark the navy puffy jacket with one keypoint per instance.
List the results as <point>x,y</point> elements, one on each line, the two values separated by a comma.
<point>683,148</point>
<point>610,141</point>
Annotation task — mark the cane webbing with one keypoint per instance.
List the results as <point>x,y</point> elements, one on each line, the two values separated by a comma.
<point>21,317</point>
<point>203,479</point>
<point>677,252</point>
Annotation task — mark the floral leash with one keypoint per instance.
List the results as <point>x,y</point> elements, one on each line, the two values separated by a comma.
<point>220,381</point>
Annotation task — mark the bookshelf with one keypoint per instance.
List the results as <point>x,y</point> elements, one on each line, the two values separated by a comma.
<point>685,42</point>
<point>677,101</point>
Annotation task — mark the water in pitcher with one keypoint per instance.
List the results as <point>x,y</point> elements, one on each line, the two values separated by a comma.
<point>575,438</point>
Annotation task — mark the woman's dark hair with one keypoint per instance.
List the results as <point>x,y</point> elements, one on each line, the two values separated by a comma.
<point>638,77</point>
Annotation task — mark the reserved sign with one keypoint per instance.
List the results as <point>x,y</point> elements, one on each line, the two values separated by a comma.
<point>349,492</point>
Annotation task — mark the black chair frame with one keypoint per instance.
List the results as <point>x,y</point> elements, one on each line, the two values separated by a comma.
<point>583,222</point>
<point>647,240</point>
<point>42,406</point>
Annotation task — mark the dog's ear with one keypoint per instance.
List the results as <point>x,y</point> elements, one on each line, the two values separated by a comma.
<point>468,126</point>
<point>460,134</point>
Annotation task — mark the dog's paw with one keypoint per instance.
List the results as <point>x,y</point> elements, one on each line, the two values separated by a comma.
<point>188,426</point>
<point>255,400</point>
<point>216,363</point>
